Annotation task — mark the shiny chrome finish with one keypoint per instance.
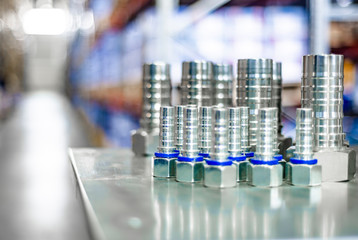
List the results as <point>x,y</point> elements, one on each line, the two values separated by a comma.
<point>178,127</point>
<point>166,133</point>
<point>254,89</point>
<point>196,85</point>
<point>244,129</point>
<point>156,93</point>
<point>277,92</point>
<point>222,84</point>
<point>304,134</point>
<point>219,141</point>
<point>190,132</point>
<point>205,129</point>
<point>265,134</point>
<point>234,129</point>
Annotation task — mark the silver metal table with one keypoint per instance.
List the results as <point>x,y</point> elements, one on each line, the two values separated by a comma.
<point>123,201</point>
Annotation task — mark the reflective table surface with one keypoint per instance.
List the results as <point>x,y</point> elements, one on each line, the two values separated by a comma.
<point>123,201</point>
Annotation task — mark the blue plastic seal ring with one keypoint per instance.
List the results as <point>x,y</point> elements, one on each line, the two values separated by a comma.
<point>189,159</point>
<point>217,163</point>
<point>278,157</point>
<point>249,154</point>
<point>237,158</point>
<point>204,155</point>
<point>300,161</point>
<point>166,155</point>
<point>263,162</point>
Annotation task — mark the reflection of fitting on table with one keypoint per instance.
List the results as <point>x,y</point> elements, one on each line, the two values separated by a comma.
<point>156,93</point>
<point>322,90</point>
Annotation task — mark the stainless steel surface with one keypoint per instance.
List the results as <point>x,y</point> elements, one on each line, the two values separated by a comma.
<point>244,125</point>
<point>264,175</point>
<point>39,199</point>
<point>234,132</point>
<point>156,93</point>
<point>254,87</point>
<point>265,134</point>
<point>205,129</point>
<point>178,124</point>
<point>166,133</point>
<point>222,84</point>
<point>304,134</point>
<point>304,175</point>
<point>196,85</point>
<point>219,176</point>
<point>128,203</point>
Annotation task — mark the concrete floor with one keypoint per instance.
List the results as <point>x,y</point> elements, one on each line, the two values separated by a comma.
<point>38,197</point>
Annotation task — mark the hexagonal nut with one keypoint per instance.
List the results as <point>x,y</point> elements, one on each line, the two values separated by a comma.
<point>220,176</point>
<point>337,166</point>
<point>304,174</point>
<point>241,170</point>
<point>144,143</point>
<point>164,167</point>
<point>189,171</point>
<point>265,175</point>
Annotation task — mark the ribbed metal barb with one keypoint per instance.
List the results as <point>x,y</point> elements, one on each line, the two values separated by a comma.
<point>166,133</point>
<point>205,129</point>
<point>190,136</point>
<point>156,93</point>
<point>244,127</point>
<point>196,85</point>
<point>234,132</point>
<point>265,134</point>
<point>219,134</point>
<point>222,84</point>
<point>322,90</point>
<point>277,91</point>
<point>178,126</point>
<point>275,132</point>
<point>304,134</point>
<point>254,87</point>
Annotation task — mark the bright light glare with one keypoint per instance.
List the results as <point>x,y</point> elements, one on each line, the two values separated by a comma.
<point>45,21</point>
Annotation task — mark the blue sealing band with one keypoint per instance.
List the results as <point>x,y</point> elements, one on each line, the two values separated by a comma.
<point>177,151</point>
<point>300,161</point>
<point>263,162</point>
<point>166,155</point>
<point>204,155</point>
<point>249,154</point>
<point>278,157</point>
<point>216,163</point>
<point>189,159</point>
<point>237,158</point>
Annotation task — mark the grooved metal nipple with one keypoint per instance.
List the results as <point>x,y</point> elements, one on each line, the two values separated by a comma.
<point>190,133</point>
<point>244,125</point>
<point>166,133</point>
<point>304,134</point>
<point>234,126</point>
<point>222,84</point>
<point>219,142</point>
<point>265,134</point>
<point>205,129</point>
<point>178,127</point>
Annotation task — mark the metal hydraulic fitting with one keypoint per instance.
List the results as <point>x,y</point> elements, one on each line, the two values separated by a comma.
<point>283,142</point>
<point>205,131</point>
<point>196,85</point>
<point>164,159</point>
<point>244,131</point>
<point>178,127</point>
<point>189,166</point>
<point>264,170</point>
<point>234,143</point>
<point>222,84</point>
<point>219,170</point>
<point>302,170</point>
<point>322,90</point>
<point>254,87</point>
<point>156,93</point>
